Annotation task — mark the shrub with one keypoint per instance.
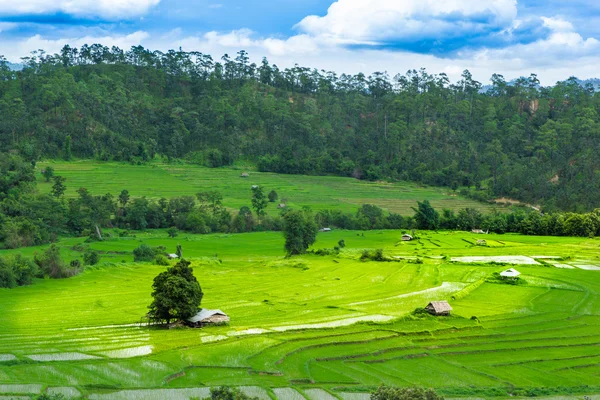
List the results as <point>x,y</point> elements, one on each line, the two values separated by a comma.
<point>144,253</point>
<point>161,260</point>
<point>390,393</point>
<point>52,265</point>
<point>75,264</point>
<point>172,232</point>
<point>227,393</point>
<point>91,257</point>
<point>7,278</point>
<point>376,255</point>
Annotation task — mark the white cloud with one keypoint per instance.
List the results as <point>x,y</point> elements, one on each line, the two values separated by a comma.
<point>372,21</point>
<point>111,9</point>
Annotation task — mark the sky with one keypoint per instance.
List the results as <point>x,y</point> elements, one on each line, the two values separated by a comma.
<point>554,39</point>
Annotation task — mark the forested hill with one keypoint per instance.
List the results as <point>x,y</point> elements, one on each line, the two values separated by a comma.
<point>539,145</point>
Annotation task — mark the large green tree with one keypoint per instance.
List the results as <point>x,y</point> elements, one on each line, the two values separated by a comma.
<point>177,294</point>
<point>299,231</point>
<point>426,217</point>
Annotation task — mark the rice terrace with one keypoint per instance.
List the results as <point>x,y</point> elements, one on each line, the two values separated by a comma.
<point>314,326</point>
<point>375,200</point>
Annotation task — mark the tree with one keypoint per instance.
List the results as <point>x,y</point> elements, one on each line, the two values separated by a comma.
<point>172,232</point>
<point>273,196</point>
<point>390,393</point>
<point>59,188</point>
<point>124,198</point>
<point>177,294</point>
<point>48,173</point>
<point>299,231</point>
<point>259,201</point>
<point>68,151</point>
<point>426,216</point>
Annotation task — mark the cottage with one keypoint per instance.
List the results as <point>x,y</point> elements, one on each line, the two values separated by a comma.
<point>478,231</point>
<point>254,186</point>
<point>172,256</point>
<point>245,175</point>
<point>208,317</point>
<point>510,273</point>
<point>325,230</point>
<point>439,308</point>
<point>281,206</point>
<point>481,242</point>
<point>406,237</point>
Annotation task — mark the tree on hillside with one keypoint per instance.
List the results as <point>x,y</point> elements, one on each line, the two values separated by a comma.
<point>124,198</point>
<point>426,216</point>
<point>68,151</point>
<point>259,201</point>
<point>177,294</point>
<point>59,188</point>
<point>48,173</point>
<point>390,393</point>
<point>299,231</point>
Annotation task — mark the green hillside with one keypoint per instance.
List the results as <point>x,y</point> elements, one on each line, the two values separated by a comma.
<point>156,180</point>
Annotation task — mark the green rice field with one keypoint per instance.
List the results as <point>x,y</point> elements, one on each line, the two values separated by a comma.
<point>157,180</point>
<point>314,327</point>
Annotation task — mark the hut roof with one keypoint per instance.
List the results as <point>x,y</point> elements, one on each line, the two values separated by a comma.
<point>173,255</point>
<point>510,273</point>
<point>440,306</point>
<point>406,235</point>
<point>204,314</point>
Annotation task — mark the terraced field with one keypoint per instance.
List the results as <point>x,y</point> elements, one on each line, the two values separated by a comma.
<point>326,192</point>
<point>316,327</point>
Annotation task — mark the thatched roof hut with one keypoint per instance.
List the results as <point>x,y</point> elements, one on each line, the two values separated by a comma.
<point>439,308</point>
<point>406,237</point>
<point>481,242</point>
<point>208,317</point>
<point>510,273</point>
<point>478,231</point>
<point>281,205</point>
<point>245,175</point>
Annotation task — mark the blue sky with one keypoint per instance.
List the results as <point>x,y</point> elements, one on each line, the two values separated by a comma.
<point>554,39</point>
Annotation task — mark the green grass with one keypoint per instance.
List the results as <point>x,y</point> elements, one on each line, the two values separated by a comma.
<point>157,180</point>
<point>538,338</point>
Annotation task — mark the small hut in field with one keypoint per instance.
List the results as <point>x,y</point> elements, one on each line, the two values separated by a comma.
<point>325,230</point>
<point>478,231</point>
<point>481,242</point>
<point>510,274</point>
<point>172,256</point>
<point>439,308</point>
<point>406,237</point>
<point>208,317</point>
<point>245,175</point>
<point>281,206</point>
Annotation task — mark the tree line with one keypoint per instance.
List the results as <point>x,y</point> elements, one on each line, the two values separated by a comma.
<point>515,139</point>
<point>28,218</point>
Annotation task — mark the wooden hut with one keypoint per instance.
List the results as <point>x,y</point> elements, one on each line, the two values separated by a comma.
<point>325,230</point>
<point>208,317</point>
<point>172,256</point>
<point>245,175</point>
<point>439,308</point>
<point>281,206</point>
<point>478,231</point>
<point>406,237</point>
<point>481,242</point>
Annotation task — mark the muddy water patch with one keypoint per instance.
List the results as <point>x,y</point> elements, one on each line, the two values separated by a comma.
<point>7,357</point>
<point>287,394</point>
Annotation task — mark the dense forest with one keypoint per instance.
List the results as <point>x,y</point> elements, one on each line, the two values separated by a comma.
<point>519,140</point>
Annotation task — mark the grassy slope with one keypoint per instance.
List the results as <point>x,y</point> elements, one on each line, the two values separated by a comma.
<point>325,192</point>
<point>540,335</point>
